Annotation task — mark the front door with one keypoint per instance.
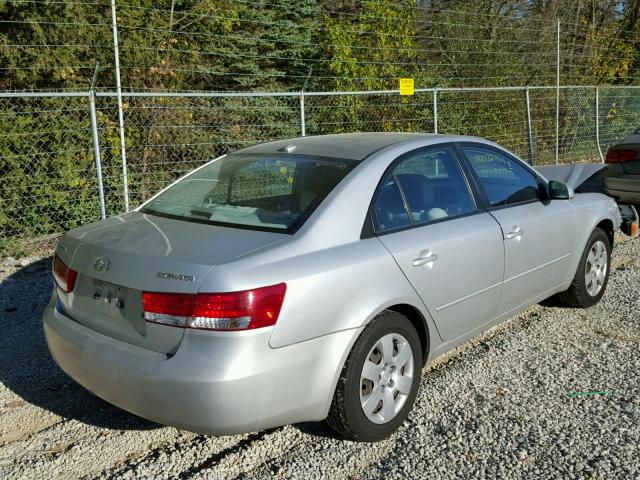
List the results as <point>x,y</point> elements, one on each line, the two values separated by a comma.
<point>539,235</point>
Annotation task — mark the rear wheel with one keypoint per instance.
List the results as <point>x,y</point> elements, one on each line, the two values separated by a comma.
<point>379,381</point>
<point>592,275</point>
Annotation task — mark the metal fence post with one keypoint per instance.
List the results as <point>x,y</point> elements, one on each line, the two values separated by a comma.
<point>303,125</point>
<point>303,131</point>
<point>96,142</point>
<point>435,110</point>
<point>598,124</point>
<point>529,126</point>
<point>558,95</point>
<point>123,151</point>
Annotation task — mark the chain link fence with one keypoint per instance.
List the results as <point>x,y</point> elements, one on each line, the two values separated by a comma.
<point>167,136</point>
<point>47,169</point>
<point>49,174</point>
<point>327,113</point>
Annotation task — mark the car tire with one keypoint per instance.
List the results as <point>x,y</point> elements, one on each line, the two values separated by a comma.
<point>592,275</point>
<point>382,345</point>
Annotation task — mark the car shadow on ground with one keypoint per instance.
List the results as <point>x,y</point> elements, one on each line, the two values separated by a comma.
<point>26,367</point>
<point>318,429</point>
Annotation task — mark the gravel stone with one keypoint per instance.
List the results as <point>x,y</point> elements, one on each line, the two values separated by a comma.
<point>496,407</point>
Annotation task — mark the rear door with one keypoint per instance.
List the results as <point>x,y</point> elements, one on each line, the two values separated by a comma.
<point>539,235</point>
<point>425,214</point>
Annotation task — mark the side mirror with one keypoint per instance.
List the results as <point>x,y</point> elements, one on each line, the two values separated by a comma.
<point>560,191</point>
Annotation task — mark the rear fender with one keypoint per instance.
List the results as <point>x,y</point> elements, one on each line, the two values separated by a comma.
<point>328,290</point>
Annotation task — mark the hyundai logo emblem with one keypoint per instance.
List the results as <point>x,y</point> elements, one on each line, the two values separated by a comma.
<point>102,264</point>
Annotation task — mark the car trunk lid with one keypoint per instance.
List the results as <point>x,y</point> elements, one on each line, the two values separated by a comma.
<point>119,258</point>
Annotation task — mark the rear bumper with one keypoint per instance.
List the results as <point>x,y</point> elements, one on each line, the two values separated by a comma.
<point>625,188</point>
<point>630,221</point>
<point>216,383</point>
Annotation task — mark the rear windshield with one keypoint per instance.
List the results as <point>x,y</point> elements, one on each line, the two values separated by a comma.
<point>257,191</point>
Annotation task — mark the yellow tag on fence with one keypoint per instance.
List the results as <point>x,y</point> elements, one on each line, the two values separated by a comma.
<point>406,86</point>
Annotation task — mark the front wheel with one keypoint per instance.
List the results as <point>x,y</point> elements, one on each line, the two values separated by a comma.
<point>592,275</point>
<point>379,381</point>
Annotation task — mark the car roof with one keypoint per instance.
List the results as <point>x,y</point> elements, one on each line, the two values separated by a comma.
<point>354,146</point>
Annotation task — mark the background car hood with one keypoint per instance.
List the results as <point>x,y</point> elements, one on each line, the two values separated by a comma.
<point>633,138</point>
<point>572,175</point>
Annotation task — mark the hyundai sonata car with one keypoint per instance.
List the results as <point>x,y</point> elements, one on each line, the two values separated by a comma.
<point>312,278</point>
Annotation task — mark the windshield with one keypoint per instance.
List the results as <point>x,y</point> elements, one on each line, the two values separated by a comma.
<point>265,192</point>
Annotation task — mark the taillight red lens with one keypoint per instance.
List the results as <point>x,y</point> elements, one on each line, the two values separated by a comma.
<point>243,310</point>
<point>63,275</point>
<point>615,155</point>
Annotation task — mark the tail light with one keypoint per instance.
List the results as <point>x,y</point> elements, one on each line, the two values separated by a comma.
<point>615,155</point>
<point>243,310</point>
<point>63,275</point>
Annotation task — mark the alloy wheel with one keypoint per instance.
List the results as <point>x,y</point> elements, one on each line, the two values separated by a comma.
<point>595,271</point>
<point>386,378</point>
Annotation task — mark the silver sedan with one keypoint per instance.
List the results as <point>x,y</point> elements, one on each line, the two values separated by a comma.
<point>313,278</point>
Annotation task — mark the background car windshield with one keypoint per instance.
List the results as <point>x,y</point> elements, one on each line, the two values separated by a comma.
<point>256,191</point>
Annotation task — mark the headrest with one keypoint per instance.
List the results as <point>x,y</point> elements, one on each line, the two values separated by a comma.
<point>418,190</point>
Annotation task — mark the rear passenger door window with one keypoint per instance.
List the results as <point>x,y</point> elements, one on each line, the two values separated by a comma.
<point>503,179</point>
<point>423,187</point>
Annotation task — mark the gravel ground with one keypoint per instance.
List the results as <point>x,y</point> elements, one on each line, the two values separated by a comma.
<point>499,406</point>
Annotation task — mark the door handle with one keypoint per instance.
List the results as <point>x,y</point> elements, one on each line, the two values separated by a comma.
<point>516,233</point>
<point>426,258</point>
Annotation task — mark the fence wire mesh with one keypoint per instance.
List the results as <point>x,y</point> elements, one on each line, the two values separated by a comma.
<point>47,169</point>
<point>370,112</point>
<point>497,115</point>
<point>619,113</point>
<point>169,136</point>
<point>48,165</point>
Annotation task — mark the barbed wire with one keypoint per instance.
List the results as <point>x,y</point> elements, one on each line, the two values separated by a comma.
<point>317,27</point>
<point>258,39</point>
<point>57,24</point>
<point>522,16</point>
<point>506,58</point>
